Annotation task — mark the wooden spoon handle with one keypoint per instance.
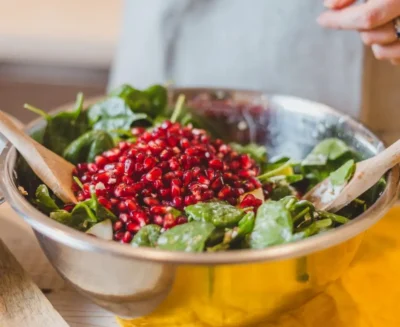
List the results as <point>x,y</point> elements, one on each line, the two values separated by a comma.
<point>17,137</point>
<point>21,301</point>
<point>388,158</point>
<point>52,169</point>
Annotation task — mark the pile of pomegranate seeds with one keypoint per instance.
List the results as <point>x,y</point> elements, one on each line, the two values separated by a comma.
<point>170,167</point>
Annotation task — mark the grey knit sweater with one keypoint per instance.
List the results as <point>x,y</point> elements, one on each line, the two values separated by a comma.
<point>273,45</point>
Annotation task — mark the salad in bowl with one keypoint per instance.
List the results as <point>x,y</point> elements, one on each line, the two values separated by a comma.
<point>151,174</point>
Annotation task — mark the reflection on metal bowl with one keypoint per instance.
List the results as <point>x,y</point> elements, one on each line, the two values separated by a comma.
<point>227,288</point>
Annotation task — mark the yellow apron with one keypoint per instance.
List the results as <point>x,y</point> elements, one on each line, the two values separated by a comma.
<point>367,295</point>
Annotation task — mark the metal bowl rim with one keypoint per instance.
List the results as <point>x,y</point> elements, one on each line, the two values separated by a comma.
<point>44,225</point>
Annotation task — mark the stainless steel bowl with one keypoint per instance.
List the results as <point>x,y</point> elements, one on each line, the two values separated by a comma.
<point>219,289</point>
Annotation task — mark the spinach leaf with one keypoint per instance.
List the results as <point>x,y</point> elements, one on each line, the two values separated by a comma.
<point>316,227</point>
<point>246,224</point>
<point>113,114</point>
<point>255,151</point>
<point>63,127</point>
<point>147,236</point>
<point>44,201</point>
<point>158,96</point>
<point>326,157</point>
<point>221,214</point>
<point>81,217</point>
<point>137,100</point>
<point>224,239</point>
<point>88,146</point>
<point>342,175</point>
<point>84,215</point>
<point>273,226</point>
<point>101,212</point>
<point>282,191</point>
<point>277,169</point>
<point>190,237</point>
<point>328,149</point>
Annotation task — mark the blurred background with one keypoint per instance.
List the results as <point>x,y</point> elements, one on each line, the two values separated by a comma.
<point>52,49</point>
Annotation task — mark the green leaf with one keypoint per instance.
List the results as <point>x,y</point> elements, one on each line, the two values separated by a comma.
<point>113,114</point>
<point>220,214</point>
<point>158,96</point>
<point>84,215</point>
<point>342,175</point>
<point>328,149</point>
<point>282,191</point>
<point>246,224</point>
<point>147,236</point>
<point>255,151</point>
<point>138,101</point>
<point>81,217</point>
<point>44,201</point>
<point>100,211</point>
<point>64,127</point>
<point>190,237</point>
<point>273,226</point>
<point>317,227</point>
<point>286,179</point>
<point>88,146</point>
<point>277,170</point>
<point>334,217</point>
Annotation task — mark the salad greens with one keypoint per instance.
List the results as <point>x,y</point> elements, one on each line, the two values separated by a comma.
<point>280,217</point>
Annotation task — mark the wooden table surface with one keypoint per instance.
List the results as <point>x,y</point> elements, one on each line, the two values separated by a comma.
<point>74,308</point>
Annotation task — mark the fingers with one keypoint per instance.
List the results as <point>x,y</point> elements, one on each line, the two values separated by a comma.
<point>387,52</point>
<point>338,4</point>
<point>364,16</point>
<point>381,35</point>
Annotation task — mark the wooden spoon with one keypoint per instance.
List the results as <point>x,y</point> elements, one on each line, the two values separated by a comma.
<point>327,197</point>
<point>53,170</point>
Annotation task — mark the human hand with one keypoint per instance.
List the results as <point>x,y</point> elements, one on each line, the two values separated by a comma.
<point>374,20</point>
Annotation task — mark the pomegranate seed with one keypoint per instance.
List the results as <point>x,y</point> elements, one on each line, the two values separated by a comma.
<point>158,210</point>
<point>216,164</point>
<point>119,235</point>
<point>151,201</point>
<point>93,168</point>
<point>203,180</point>
<point>178,202</point>
<point>169,221</point>
<point>127,237</point>
<point>149,163</point>
<point>137,131</point>
<point>154,174</point>
<point>118,225</point>
<point>175,190</point>
<point>100,161</point>
<point>129,166</point>
<point>158,220</point>
<point>217,183</point>
<point>181,220</point>
<point>225,192</point>
<point>165,193</point>
<point>124,217</point>
<point>189,199</point>
<point>69,207</point>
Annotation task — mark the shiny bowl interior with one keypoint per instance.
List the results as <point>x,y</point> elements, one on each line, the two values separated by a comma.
<point>286,125</point>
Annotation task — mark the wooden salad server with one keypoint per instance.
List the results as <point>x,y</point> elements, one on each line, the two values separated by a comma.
<point>52,169</point>
<point>367,173</point>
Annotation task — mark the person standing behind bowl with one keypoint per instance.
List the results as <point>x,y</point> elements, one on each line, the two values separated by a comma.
<point>270,45</point>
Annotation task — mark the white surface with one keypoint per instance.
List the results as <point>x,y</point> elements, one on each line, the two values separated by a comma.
<point>61,32</point>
